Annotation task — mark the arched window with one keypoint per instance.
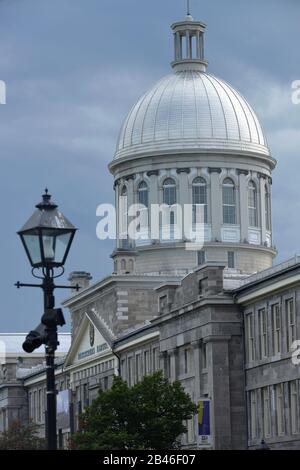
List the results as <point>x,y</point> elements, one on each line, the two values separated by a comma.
<point>199,197</point>
<point>131,265</point>
<point>229,204</point>
<point>143,199</point>
<point>143,194</point>
<point>252,204</point>
<point>123,264</point>
<point>169,192</point>
<point>267,208</point>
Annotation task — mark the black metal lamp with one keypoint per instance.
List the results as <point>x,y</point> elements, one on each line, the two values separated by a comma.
<point>47,235</point>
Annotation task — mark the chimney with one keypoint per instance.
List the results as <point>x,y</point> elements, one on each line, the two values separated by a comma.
<point>81,278</point>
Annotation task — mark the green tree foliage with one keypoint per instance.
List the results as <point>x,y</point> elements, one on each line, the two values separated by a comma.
<point>21,437</point>
<point>149,415</point>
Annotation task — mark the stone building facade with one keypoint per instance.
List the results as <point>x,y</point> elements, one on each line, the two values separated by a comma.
<point>219,318</point>
<point>16,402</point>
<point>233,348</point>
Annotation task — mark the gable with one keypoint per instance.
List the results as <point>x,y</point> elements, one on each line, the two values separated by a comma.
<point>88,344</point>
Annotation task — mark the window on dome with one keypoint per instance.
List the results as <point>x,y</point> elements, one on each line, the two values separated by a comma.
<point>169,192</point>
<point>252,204</point>
<point>143,199</point>
<point>199,197</point>
<point>143,194</point>
<point>229,202</point>
<point>169,198</point>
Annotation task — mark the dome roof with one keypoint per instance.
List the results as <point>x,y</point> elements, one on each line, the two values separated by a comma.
<point>190,111</point>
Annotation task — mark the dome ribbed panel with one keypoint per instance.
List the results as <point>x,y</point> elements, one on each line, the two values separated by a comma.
<point>191,110</point>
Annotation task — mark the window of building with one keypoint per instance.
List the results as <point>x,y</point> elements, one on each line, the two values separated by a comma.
<point>130,372</point>
<point>199,189</point>
<point>123,264</point>
<point>105,383</point>
<point>263,333</point>
<point>155,359</point>
<point>147,362</point>
<point>290,323</point>
<point>169,192</point>
<point>39,406</point>
<point>204,355</point>
<point>229,202</point>
<point>138,372</point>
<point>279,403</point>
<point>169,365</point>
<point>253,414</point>
<point>267,208</point>
<point>123,369</point>
<point>187,360</point>
<point>201,257</point>
<point>250,337</point>
<point>143,194</point>
<point>200,287</point>
<point>85,395</point>
<point>266,410</point>
<point>34,406</point>
<point>163,303</point>
<point>231,259</point>
<point>276,328</point>
<point>143,199</point>
<point>190,435</point>
<point>252,204</point>
<point>294,406</point>
<point>131,266</point>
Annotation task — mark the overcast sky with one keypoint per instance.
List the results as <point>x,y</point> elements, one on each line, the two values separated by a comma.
<point>73,69</point>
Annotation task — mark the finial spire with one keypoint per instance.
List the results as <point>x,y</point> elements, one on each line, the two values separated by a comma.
<point>188,10</point>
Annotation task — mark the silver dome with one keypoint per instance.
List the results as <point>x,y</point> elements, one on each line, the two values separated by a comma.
<point>190,111</point>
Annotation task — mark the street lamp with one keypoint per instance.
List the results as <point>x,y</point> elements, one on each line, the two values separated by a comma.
<point>47,237</point>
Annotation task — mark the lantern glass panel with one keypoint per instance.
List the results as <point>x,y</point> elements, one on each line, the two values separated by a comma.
<point>61,246</point>
<point>32,243</point>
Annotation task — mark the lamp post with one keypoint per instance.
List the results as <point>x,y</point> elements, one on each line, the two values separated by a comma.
<point>47,237</point>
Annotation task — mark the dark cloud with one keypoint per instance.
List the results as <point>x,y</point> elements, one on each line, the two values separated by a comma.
<point>73,68</point>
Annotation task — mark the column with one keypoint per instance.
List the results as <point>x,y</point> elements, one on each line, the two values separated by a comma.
<point>201,46</point>
<point>216,203</point>
<point>270,181</point>
<point>262,183</point>
<point>183,194</point>
<point>219,390</point>
<point>162,362</point>
<point>198,46</point>
<point>244,216</point>
<point>197,366</point>
<point>117,192</point>
<point>188,55</point>
<point>178,46</point>
<point>173,353</point>
<point>130,202</point>
<point>153,192</point>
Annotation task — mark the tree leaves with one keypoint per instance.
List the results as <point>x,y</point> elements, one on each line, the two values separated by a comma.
<point>149,415</point>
